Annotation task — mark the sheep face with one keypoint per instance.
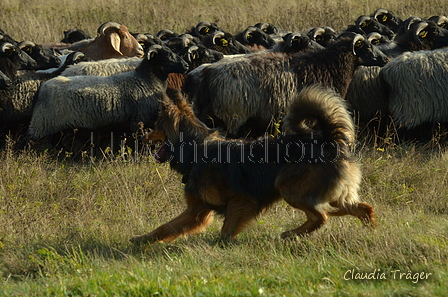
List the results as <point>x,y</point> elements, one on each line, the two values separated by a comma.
<point>431,35</point>
<point>166,60</point>
<point>21,59</point>
<point>45,58</point>
<point>367,54</point>
<point>114,41</point>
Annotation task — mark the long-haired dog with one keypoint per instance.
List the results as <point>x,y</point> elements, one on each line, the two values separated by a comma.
<point>310,166</point>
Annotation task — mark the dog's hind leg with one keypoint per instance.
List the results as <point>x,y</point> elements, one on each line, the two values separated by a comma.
<point>193,220</point>
<point>239,213</point>
<point>363,211</point>
<point>315,220</point>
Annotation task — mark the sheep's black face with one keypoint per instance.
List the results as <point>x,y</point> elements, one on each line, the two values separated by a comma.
<point>433,36</point>
<point>20,58</point>
<point>369,55</point>
<point>166,60</point>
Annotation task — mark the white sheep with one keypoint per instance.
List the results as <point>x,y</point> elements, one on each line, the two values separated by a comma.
<point>94,102</point>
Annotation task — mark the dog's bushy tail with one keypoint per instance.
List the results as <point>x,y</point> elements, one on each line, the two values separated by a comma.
<point>321,113</point>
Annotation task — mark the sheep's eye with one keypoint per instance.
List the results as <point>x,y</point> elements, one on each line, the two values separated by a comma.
<point>375,42</point>
<point>443,25</point>
<point>224,42</point>
<point>318,38</point>
<point>248,36</point>
<point>363,24</point>
<point>204,30</point>
<point>422,34</point>
<point>384,18</point>
<point>27,49</point>
<point>359,43</point>
<point>194,56</point>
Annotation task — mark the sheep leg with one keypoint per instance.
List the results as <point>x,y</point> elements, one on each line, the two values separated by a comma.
<point>315,220</point>
<point>363,211</point>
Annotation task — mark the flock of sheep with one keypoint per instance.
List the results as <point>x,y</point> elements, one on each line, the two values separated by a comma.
<point>240,83</point>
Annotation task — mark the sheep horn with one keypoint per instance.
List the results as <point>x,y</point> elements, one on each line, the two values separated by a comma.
<point>418,30</point>
<point>318,31</point>
<point>217,34</point>
<point>187,39</point>
<point>247,33</point>
<point>441,21</point>
<point>290,38</point>
<point>5,46</point>
<point>25,43</point>
<point>153,49</point>
<point>373,36</point>
<point>380,12</point>
<point>106,26</point>
<point>356,39</point>
<point>362,20</point>
<point>410,21</point>
<point>202,28</point>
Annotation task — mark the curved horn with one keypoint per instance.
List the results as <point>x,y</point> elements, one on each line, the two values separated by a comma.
<point>202,28</point>
<point>187,39</point>
<point>217,34</point>
<point>247,33</point>
<point>356,39</point>
<point>318,31</point>
<point>6,46</point>
<point>25,43</point>
<point>379,12</point>
<point>106,26</point>
<point>409,22</point>
<point>418,30</point>
<point>373,36</point>
<point>362,19</point>
<point>154,48</point>
<point>290,38</point>
<point>441,21</point>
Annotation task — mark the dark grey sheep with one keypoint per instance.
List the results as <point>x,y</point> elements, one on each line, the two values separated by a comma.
<point>257,88</point>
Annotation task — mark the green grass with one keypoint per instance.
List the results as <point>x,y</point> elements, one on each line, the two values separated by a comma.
<point>65,226</point>
<point>64,231</point>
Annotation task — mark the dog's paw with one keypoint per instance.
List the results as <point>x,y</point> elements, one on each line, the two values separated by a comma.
<point>141,239</point>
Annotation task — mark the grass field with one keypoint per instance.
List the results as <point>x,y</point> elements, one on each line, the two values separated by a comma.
<point>65,226</point>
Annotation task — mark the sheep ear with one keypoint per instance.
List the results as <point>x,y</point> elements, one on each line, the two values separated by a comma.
<point>115,41</point>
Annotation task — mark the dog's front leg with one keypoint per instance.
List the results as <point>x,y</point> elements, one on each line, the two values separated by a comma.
<point>241,210</point>
<point>192,220</point>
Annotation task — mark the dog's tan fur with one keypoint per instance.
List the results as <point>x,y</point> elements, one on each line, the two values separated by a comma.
<point>242,190</point>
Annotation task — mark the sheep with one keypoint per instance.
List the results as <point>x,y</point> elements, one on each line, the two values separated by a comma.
<point>388,19</point>
<point>225,43</point>
<point>257,88</point>
<point>74,35</point>
<point>417,84</point>
<point>113,41</point>
<point>255,39</point>
<point>417,35</point>
<point>17,99</point>
<point>366,24</point>
<point>13,59</point>
<point>296,42</point>
<point>166,34</point>
<point>322,35</point>
<point>45,58</point>
<point>203,29</point>
<point>94,102</point>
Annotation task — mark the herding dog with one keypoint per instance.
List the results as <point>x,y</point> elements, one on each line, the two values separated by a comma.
<point>310,166</point>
